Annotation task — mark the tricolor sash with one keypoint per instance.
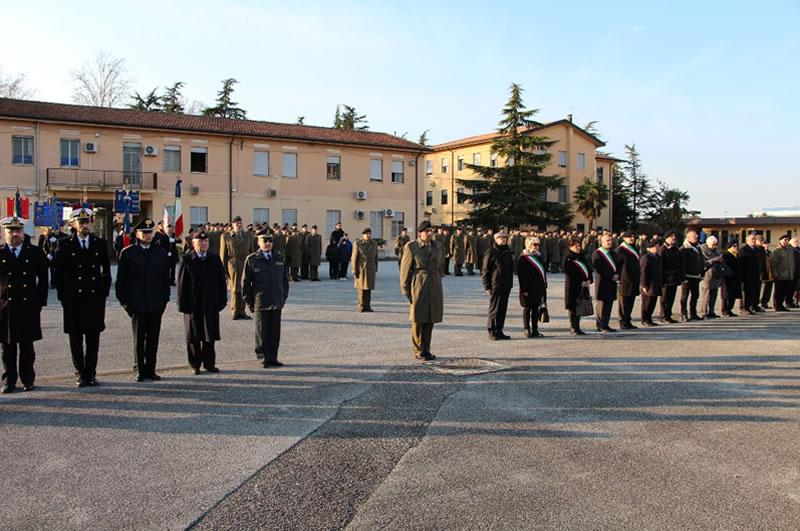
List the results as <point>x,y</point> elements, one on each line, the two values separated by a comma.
<point>535,263</point>
<point>583,268</point>
<point>630,250</point>
<point>605,254</point>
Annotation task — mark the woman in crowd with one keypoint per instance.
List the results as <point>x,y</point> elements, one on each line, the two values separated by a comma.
<point>577,279</point>
<point>732,285</point>
<point>532,285</point>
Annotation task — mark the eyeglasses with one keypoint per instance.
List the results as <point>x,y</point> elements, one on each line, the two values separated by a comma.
<point>535,245</point>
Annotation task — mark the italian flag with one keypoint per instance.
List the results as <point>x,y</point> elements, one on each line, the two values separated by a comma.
<point>178,214</point>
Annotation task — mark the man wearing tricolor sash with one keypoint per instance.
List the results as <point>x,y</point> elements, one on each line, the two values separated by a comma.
<point>629,273</point>
<point>606,274</point>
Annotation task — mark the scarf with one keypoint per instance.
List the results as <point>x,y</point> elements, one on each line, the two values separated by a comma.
<point>535,263</point>
<point>630,249</point>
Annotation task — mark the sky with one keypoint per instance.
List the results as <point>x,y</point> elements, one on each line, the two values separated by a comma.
<point>706,90</point>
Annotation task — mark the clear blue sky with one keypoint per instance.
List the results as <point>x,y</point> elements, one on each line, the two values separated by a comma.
<point>706,90</point>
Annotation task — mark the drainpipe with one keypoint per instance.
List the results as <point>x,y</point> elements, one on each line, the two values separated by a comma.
<point>230,179</point>
<point>452,188</point>
<point>37,168</point>
<point>416,189</point>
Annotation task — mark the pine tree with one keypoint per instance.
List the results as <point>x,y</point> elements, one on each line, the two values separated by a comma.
<point>423,138</point>
<point>516,194</point>
<point>337,118</point>
<point>226,107</point>
<point>621,211</point>
<point>172,100</point>
<point>590,199</point>
<point>636,186</point>
<point>350,119</point>
<point>150,102</point>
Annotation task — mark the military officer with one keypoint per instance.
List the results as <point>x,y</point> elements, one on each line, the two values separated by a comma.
<point>304,257</point>
<point>650,279</point>
<point>421,284</point>
<point>497,274</point>
<point>470,251</point>
<point>266,287</point>
<point>671,267</point>
<point>629,277</point>
<point>312,251</point>
<point>606,274</point>
<point>83,282</point>
<point>365,267</point>
<point>237,244</point>
<point>294,253</point>
<point>400,243</point>
<point>142,288</point>
<point>458,251</point>
<point>23,293</point>
<point>202,295</point>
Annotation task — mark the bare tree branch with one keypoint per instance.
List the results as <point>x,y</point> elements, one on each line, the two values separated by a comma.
<point>102,82</point>
<point>14,86</point>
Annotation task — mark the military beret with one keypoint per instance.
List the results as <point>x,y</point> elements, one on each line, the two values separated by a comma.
<point>366,230</point>
<point>264,234</point>
<point>146,225</point>
<point>201,235</point>
<point>424,225</point>
<point>785,237</point>
<point>12,222</point>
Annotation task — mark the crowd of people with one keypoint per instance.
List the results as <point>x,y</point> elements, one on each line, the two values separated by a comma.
<point>256,265</point>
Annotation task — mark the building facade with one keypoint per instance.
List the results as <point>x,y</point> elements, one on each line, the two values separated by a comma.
<point>265,172</point>
<point>737,228</point>
<point>574,156</point>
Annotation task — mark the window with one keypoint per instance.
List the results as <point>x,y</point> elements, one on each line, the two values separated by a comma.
<point>289,216</point>
<point>444,197</point>
<point>460,163</point>
<point>429,198</point>
<point>333,168</point>
<point>476,159</point>
<point>198,215</point>
<point>261,216</point>
<point>172,158</point>
<point>581,161</point>
<point>398,222</point>
<point>376,223</point>
<point>445,165</point>
<point>199,161</point>
<point>460,196</point>
<point>581,227</point>
<point>332,217</point>
<point>562,194</point>
<point>428,167</point>
<point>290,165</point>
<point>261,164</point>
<point>600,174</point>
<point>375,170</point>
<point>22,150</point>
<point>493,160</point>
<point>397,171</point>
<point>562,159</point>
<point>70,150</point>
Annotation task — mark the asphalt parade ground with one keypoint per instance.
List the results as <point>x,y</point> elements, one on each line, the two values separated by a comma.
<point>681,426</point>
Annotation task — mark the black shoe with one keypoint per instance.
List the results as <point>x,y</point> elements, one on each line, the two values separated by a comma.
<point>138,378</point>
<point>421,356</point>
<point>627,326</point>
<point>696,318</point>
<point>649,323</point>
<point>670,320</point>
<point>731,314</point>
<point>369,310</point>
<point>501,335</point>
<point>81,382</point>
<point>7,389</point>
<point>766,307</point>
<point>195,371</point>
<point>275,364</point>
<point>536,333</point>
<point>712,316</point>
<point>28,388</point>
<point>154,377</point>
<point>685,318</point>
<point>93,382</point>
<point>314,280</point>
<point>749,312</point>
<point>493,337</point>
<point>212,370</point>
<point>577,332</point>
<point>245,317</point>
<point>758,309</point>
<point>781,309</point>
<point>608,329</point>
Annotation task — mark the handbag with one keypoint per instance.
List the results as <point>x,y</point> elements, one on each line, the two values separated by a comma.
<point>583,304</point>
<point>544,313</point>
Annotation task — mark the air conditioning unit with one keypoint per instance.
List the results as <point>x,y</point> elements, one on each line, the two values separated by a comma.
<point>359,214</point>
<point>361,195</point>
<point>271,192</point>
<point>90,147</point>
<point>150,150</point>
<point>412,163</point>
<point>389,213</point>
<point>194,190</point>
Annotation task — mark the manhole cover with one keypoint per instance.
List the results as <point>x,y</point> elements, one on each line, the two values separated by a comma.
<point>464,366</point>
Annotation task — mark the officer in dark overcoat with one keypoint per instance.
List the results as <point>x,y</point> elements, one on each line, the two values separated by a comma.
<point>83,282</point>
<point>202,294</point>
<point>142,288</point>
<point>672,275</point>
<point>629,272</point>
<point>497,274</point>
<point>606,276</point>
<point>651,279</point>
<point>23,293</point>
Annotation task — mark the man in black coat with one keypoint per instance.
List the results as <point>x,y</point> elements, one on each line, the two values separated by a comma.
<point>767,283</point>
<point>498,278</point>
<point>142,288</point>
<point>750,269</point>
<point>83,282</point>
<point>629,276</point>
<point>23,293</point>
<point>265,288</point>
<point>606,274</point>
<point>692,271</point>
<point>672,276</point>
<point>651,278</point>
<point>202,293</point>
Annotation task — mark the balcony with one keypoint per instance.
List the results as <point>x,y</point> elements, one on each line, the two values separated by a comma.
<point>101,179</point>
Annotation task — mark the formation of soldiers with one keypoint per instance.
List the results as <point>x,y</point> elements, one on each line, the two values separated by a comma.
<point>256,265</point>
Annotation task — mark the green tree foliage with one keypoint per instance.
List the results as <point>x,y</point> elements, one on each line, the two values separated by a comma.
<point>635,186</point>
<point>669,210</point>
<point>226,107</point>
<point>621,212</point>
<point>423,138</point>
<point>150,102</point>
<point>348,118</point>
<point>515,194</point>
<point>591,197</point>
<point>172,101</point>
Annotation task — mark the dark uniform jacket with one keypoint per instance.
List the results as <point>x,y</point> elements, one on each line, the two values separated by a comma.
<point>143,279</point>
<point>763,264</point>
<point>83,282</point>
<point>457,249</point>
<point>605,268</point>
<point>733,282</point>
<point>532,280</point>
<point>421,281</point>
<point>574,276</point>
<point>692,262</point>
<point>781,263</point>
<point>399,243</point>
<point>266,284</point>
<point>749,265</point>
<point>23,293</point>
<point>294,250</point>
<point>671,265</point>
<point>202,293</point>
<point>498,269</point>
<point>651,274</point>
<point>312,248</point>
<point>629,271</point>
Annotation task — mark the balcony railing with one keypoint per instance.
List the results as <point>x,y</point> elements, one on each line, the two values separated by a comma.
<point>113,179</point>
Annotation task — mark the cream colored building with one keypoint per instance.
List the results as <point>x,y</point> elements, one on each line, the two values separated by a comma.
<point>574,156</point>
<point>263,171</point>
